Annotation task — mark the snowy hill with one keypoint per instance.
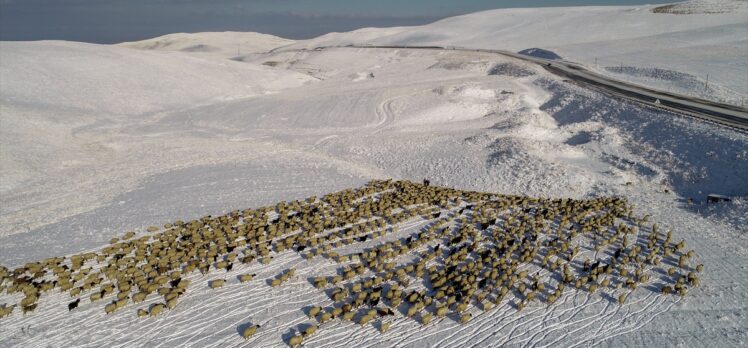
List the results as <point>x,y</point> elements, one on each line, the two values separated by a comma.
<point>125,81</point>
<point>713,31</point>
<point>63,89</point>
<point>225,44</point>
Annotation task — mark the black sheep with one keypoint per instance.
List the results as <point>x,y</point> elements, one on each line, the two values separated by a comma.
<point>618,253</point>
<point>73,305</point>
<point>385,311</point>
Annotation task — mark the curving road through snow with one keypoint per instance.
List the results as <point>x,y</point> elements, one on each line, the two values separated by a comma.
<point>723,114</point>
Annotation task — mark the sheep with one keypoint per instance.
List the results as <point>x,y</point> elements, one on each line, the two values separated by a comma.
<point>339,294</point>
<point>365,320</point>
<point>487,306</point>
<point>29,308</point>
<point>384,312</point>
<point>142,313</point>
<point>314,311</point>
<point>110,308</point>
<point>139,297</point>
<point>215,284</point>
<point>249,331</point>
<point>325,317</point>
<point>349,316</point>
<point>120,303</point>
<point>295,341</point>
<point>384,327</point>
<point>6,310</point>
<point>426,319</point>
<point>320,282</point>
<point>465,318</point>
<point>156,309</point>
<point>246,277</point>
<point>73,305</point>
<point>441,311</point>
<point>372,312</point>
<point>310,330</point>
<point>96,296</point>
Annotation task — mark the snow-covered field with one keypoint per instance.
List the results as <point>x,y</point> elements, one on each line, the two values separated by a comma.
<point>97,140</point>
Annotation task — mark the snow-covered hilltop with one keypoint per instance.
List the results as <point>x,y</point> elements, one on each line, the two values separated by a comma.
<point>225,44</point>
<point>97,140</point>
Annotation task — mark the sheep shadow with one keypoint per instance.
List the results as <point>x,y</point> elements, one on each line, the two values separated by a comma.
<point>454,316</point>
<point>608,297</point>
<point>379,325</point>
<point>286,337</point>
<point>303,327</point>
<point>216,281</point>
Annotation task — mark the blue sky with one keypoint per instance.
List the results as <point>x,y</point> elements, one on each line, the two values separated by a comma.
<point>110,21</point>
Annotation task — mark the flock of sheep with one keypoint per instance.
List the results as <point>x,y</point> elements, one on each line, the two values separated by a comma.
<point>478,251</point>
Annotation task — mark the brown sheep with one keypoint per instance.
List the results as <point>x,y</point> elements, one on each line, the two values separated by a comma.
<point>217,283</point>
<point>295,341</point>
<point>156,309</point>
<point>249,331</point>
<point>310,330</point>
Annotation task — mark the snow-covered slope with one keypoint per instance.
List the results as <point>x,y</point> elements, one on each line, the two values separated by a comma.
<point>124,81</point>
<point>53,92</point>
<point>711,39</point>
<point>223,44</point>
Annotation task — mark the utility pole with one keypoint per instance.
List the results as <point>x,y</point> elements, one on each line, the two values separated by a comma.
<point>706,83</point>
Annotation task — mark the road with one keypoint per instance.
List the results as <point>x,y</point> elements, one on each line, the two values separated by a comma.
<point>723,114</point>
